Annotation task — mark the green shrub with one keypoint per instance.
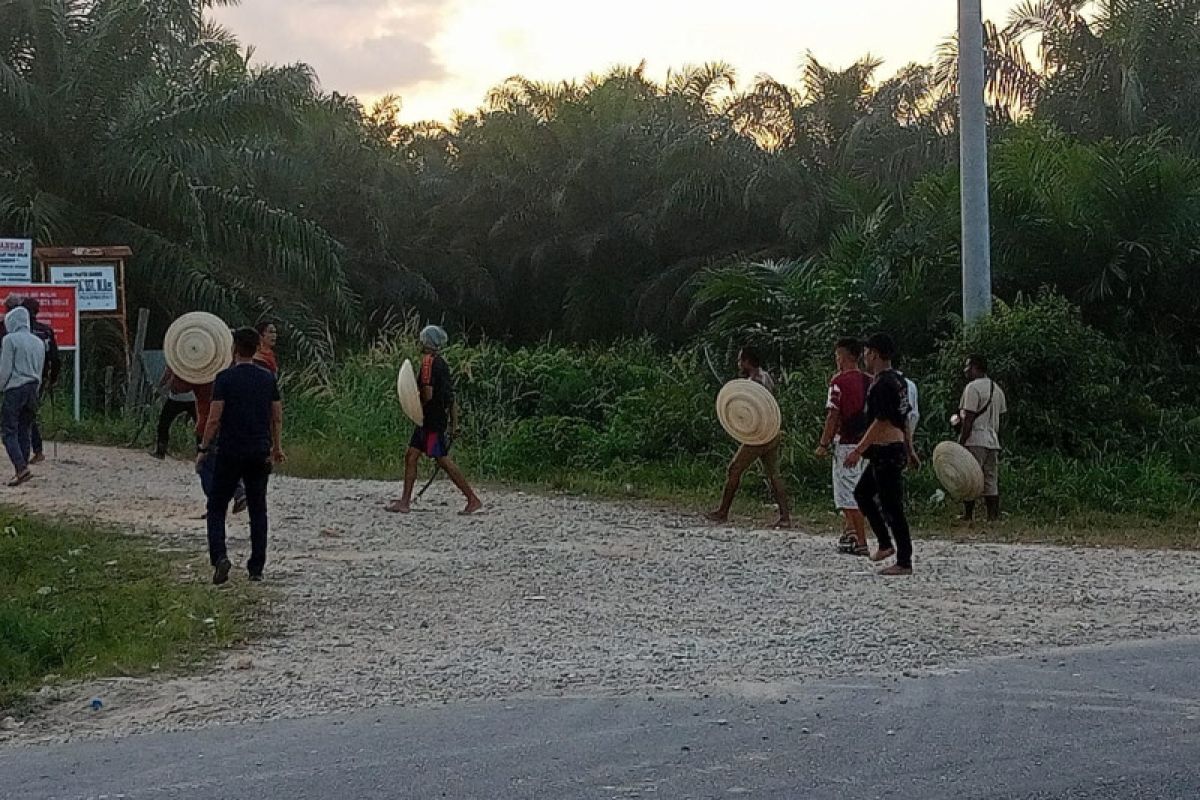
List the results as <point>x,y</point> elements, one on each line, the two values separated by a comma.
<point>1068,389</point>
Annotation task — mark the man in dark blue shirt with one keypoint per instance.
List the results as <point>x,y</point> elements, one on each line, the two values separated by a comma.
<point>432,439</point>
<point>246,422</point>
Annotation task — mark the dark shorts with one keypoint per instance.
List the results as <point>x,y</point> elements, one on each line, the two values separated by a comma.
<point>431,443</point>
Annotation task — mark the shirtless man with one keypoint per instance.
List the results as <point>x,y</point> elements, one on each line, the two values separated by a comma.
<point>750,368</point>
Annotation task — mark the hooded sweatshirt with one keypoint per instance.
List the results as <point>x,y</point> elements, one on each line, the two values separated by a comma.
<point>22,355</point>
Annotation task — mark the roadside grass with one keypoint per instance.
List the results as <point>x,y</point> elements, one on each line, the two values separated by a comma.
<point>81,601</point>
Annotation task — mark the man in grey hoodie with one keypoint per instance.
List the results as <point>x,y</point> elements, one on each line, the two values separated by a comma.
<point>22,358</point>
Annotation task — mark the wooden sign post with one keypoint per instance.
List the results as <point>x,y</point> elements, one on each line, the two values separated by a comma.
<point>98,274</point>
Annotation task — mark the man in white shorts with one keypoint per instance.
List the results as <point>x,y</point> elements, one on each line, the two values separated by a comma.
<point>845,423</point>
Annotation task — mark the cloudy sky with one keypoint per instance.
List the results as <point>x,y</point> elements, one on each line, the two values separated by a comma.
<point>439,55</point>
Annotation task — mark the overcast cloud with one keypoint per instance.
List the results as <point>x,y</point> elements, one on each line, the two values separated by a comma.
<point>440,55</point>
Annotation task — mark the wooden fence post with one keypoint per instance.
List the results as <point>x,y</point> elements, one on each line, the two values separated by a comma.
<point>133,391</point>
<point>108,390</point>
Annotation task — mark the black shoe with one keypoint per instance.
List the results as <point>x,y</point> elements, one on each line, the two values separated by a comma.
<point>159,454</point>
<point>221,571</point>
<point>256,577</point>
<point>239,504</point>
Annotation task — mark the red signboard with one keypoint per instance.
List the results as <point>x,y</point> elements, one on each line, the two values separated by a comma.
<point>58,309</point>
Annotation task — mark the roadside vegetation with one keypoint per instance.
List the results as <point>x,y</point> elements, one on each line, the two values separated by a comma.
<point>80,601</point>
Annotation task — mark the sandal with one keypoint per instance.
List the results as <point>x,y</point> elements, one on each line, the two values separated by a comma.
<point>847,544</point>
<point>22,478</point>
<point>862,550</point>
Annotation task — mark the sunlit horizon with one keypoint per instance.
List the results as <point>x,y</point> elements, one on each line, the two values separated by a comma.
<point>440,56</point>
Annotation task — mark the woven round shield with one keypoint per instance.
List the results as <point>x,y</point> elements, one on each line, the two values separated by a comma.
<point>410,395</point>
<point>958,471</point>
<point>198,346</point>
<point>748,412</point>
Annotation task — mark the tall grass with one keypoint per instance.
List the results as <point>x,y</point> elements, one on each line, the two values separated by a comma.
<point>629,420</point>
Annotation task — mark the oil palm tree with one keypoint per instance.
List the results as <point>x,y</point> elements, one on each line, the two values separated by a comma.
<point>134,122</point>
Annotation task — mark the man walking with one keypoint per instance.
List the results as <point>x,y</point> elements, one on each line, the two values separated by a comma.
<point>180,400</point>
<point>982,404</point>
<point>845,424</point>
<point>886,446</point>
<point>245,421</point>
<point>22,359</point>
<point>49,372</point>
<point>433,438</point>
<point>750,368</point>
<point>268,335</point>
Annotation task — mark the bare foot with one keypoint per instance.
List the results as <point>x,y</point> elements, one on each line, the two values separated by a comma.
<point>398,507</point>
<point>473,505</point>
<point>781,524</point>
<point>716,516</point>
<point>883,555</point>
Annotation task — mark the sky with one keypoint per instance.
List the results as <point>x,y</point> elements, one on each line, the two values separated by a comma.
<point>442,55</point>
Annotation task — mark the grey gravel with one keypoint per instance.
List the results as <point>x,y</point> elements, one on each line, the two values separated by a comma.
<point>559,596</point>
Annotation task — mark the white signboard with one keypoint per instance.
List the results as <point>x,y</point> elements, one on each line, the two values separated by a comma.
<point>16,261</point>
<point>97,284</point>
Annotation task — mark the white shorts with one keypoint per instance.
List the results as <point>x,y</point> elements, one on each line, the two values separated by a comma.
<point>845,478</point>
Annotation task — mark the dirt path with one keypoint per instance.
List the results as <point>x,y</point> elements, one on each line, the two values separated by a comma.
<point>559,596</point>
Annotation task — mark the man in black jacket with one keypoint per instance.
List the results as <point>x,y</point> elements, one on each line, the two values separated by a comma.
<point>50,372</point>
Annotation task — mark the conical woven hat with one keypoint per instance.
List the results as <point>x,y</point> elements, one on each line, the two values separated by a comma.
<point>748,412</point>
<point>958,471</point>
<point>198,346</point>
<point>410,395</point>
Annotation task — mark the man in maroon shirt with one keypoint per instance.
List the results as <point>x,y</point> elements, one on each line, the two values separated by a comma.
<point>845,422</point>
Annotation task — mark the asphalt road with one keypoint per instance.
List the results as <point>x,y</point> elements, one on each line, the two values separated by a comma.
<point>1120,723</point>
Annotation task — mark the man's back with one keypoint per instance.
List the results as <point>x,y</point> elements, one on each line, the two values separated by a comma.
<point>248,392</point>
<point>848,395</point>
<point>22,355</point>
<point>435,375</point>
<point>985,399</point>
<point>53,360</point>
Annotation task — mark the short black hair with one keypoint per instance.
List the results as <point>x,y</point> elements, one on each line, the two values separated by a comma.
<point>883,344</point>
<point>245,342</point>
<point>261,328</point>
<point>979,361</point>
<point>851,345</point>
<point>750,354</point>
<point>32,306</point>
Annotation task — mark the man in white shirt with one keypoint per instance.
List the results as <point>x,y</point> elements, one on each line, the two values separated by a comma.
<point>982,405</point>
<point>911,421</point>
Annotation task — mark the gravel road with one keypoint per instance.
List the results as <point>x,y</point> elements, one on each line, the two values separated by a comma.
<point>562,597</point>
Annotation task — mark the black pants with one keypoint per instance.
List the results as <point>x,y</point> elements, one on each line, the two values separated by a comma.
<point>253,472</point>
<point>170,412</point>
<point>880,496</point>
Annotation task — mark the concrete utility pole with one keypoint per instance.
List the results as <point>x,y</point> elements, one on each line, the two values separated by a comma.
<point>972,131</point>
